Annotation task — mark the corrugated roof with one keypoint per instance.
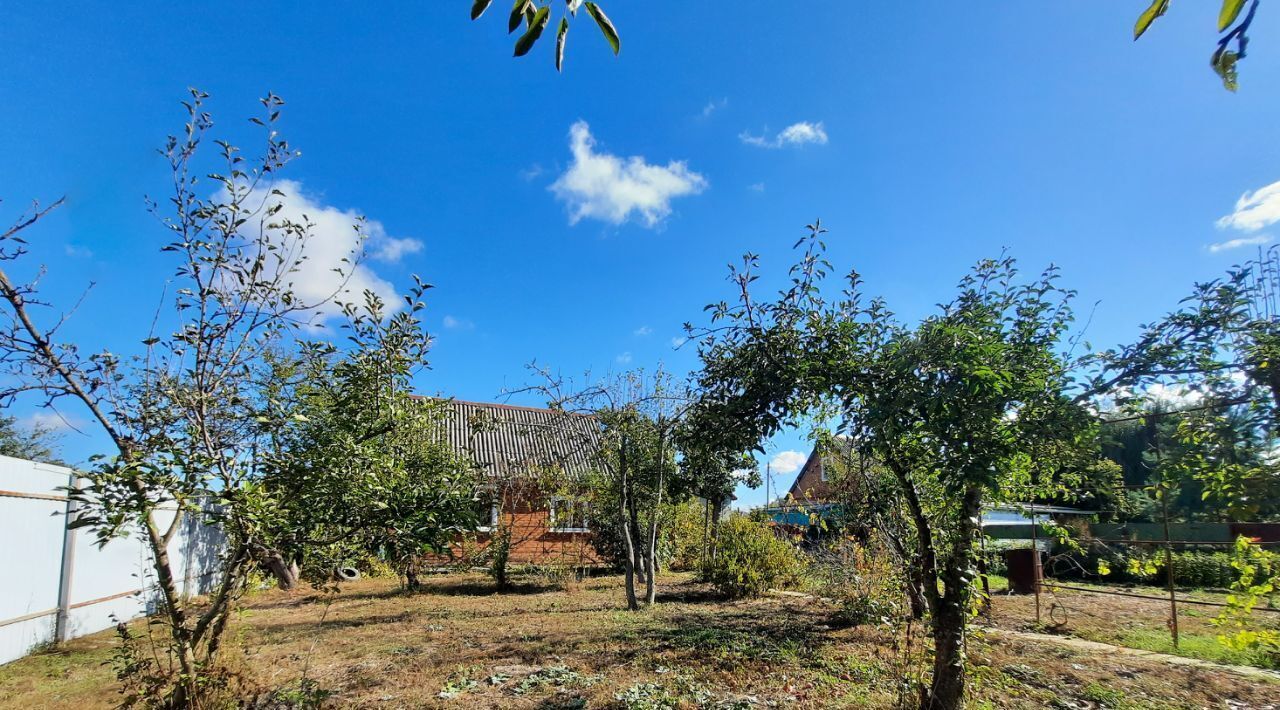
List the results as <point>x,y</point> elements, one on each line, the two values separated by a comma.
<point>508,440</point>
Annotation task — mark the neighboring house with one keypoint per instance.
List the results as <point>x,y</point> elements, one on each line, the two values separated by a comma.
<point>810,495</point>
<point>811,484</point>
<point>533,461</point>
<point>810,498</point>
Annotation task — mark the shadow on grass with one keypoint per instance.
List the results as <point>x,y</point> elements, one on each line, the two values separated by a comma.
<point>466,587</point>
<point>334,623</point>
<point>476,588</point>
<point>688,593</point>
<point>730,636</point>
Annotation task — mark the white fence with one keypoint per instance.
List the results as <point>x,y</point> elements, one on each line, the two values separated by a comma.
<point>57,584</point>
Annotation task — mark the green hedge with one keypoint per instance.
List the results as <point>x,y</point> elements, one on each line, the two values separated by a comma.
<point>1191,568</point>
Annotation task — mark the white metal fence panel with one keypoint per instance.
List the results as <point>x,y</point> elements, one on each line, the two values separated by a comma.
<point>50,571</point>
<point>32,514</point>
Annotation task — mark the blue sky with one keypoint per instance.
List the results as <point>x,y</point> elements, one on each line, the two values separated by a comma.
<point>580,218</point>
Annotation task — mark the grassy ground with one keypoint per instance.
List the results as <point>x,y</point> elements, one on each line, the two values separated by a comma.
<point>459,644</point>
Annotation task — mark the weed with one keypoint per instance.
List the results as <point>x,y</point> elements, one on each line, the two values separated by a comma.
<point>558,677</point>
<point>303,695</point>
<point>458,683</point>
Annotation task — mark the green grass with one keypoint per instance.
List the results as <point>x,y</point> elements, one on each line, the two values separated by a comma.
<point>1110,697</point>
<point>997,583</point>
<point>1201,646</point>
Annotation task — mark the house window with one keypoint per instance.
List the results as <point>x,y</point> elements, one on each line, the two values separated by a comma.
<point>486,511</point>
<point>568,515</point>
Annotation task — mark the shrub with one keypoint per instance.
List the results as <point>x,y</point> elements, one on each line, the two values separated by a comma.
<point>500,555</point>
<point>682,542</point>
<point>751,559</point>
<point>863,579</point>
<point>1258,581</point>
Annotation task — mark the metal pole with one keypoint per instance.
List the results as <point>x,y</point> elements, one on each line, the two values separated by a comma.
<point>768,480</point>
<point>60,630</point>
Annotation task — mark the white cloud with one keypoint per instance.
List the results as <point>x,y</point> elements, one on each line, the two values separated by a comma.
<point>77,252</point>
<point>609,188</point>
<point>1173,396</point>
<point>392,250</point>
<point>786,462</point>
<point>713,106</point>
<point>453,323</point>
<point>796,134</point>
<point>1240,242</point>
<point>49,420</point>
<point>1255,210</point>
<point>333,237</point>
<point>756,187</point>
<point>642,331</point>
<point>531,173</point>
<point>677,342</point>
<point>624,358</point>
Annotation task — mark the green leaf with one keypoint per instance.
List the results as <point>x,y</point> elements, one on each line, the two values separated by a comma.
<point>1224,65</point>
<point>478,7</point>
<point>525,43</point>
<point>1148,16</point>
<point>517,15</point>
<point>610,32</point>
<point>560,36</point>
<point>1229,12</point>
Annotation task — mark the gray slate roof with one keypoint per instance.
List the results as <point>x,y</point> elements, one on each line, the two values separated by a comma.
<point>508,440</point>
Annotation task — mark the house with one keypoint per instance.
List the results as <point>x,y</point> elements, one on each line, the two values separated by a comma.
<point>533,461</point>
<point>811,499</point>
<point>811,484</point>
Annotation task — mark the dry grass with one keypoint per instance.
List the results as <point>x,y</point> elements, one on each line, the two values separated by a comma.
<point>459,644</point>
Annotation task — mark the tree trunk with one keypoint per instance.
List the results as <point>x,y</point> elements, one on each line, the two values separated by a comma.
<point>411,576</point>
<point>181,634</point>
<point>716,509</point>
<point>637,551</point>
<point>951,612</point>
<point>629,564</point>
<point>651,587</point>
<point>947,690</point>
<point>286,573</point>
<point>914,584</point>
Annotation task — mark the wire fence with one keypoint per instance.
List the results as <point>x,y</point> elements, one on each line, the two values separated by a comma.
<point>1164,547</point>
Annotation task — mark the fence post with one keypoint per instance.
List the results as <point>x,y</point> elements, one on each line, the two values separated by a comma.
<point>1036,573</point>
<point>982,568</point>
<point>188,533</point>
<point>60,631</point>
<point>1168,565</point>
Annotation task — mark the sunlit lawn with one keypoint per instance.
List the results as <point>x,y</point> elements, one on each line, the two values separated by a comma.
<point>460,644</point>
